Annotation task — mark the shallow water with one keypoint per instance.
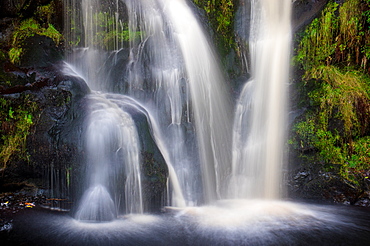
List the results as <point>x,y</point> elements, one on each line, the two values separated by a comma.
<point>227,222</point>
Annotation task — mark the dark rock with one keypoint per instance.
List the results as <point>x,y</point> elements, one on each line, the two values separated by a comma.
<point>324,186</point>
<point>39,52</point>
<point>10,8</point>
<point>24,8</point>
<point>304,11</point>
<point>6,30</point>
<point>154,168</point>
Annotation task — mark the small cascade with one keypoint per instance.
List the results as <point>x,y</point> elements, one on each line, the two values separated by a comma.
<point>113,152</point>
<point>261,109</point>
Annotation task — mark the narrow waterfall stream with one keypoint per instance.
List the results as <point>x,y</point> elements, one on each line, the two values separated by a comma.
<point>260,120</point>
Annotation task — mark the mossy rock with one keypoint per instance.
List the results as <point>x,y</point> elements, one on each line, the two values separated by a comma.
<point>38,52</point>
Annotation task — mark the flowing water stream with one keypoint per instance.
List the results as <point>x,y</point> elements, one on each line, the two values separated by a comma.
<point>259,124</point>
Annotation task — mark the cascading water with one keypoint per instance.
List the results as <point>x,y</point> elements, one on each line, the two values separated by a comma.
<point>173,73</point>
<point>111,138</point>
<point>188,93</point>
<point>113,149</point>
<point>113,153</point>
<point>258,140</point>
<point>209,99</point>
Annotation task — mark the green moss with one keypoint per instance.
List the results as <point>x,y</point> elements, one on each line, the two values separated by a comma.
<point>28,28</point>
<point>15,54</point>
<point>318,43</point>
<point>221,16</point>
<point>45,13</point>
<point>337,37</point>
<point>339,92</point>
<point>335,130</point>
<point>16,118</point>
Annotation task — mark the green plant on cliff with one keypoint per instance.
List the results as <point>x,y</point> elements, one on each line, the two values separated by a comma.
<point>221,16</point>
<point>335,130</point>
<point>338,37</point>
<point>16,118</point>
<point>45,13</point>
<point>37,25</point>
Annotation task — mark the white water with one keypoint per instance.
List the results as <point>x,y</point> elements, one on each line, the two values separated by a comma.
<point>156,55</point>
<point>209,99</point>
<point>173,74</point>
<point>188,93</point>
<point>258,139</point>
<point>113,150</point>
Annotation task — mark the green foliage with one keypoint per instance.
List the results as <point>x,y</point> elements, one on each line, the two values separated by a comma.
<point>339,92</point>
<point>30,27</point>
<point>336,38</point>
<point>336,128</point>
<point>318,43</point>
<point>110,33</point>
<point>333,52</point>
<point>221,16</point>
<point>16,119</point>
<point>366,13</point>
<point>15,54</point>
<point>45,13</point>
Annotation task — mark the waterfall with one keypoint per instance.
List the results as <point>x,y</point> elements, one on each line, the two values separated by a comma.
<point>209,99</point>
<point>168,71</point>
<point>113,152</point>
<point>187,90</point>
<point>258,138</point>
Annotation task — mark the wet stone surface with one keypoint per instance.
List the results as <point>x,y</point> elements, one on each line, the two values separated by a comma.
<point>11,204</point>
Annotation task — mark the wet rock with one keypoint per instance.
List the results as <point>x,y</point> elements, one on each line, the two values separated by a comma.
<point>304,11</point>
<point>324,186</point>
<point>25,8</point>
<point>363,200</point>
<point>38,52</point>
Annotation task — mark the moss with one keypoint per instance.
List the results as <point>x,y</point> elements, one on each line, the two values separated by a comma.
<point>339,92</point>
<point>318,43</point>
<point>337,37</point>
<point>221,16</point>
<point>15,54</point>
<point>335,130</point>
<point>45,13</point>
<point>16,118</point>
<point>37,25</point>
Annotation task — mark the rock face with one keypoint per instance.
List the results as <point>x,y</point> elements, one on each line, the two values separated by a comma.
<point>316,185</point>
<point>305,11</point>
<point>40,52</point>
<point>55,144</point>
